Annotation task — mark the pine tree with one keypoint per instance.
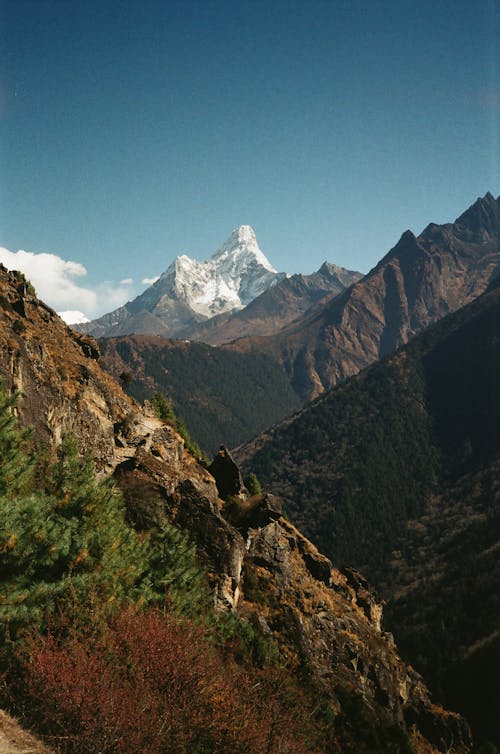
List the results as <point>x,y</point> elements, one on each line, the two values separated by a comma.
<point>71,542</point>
<point>16,467</point>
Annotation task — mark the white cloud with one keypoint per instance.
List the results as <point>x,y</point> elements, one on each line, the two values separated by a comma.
<point>56,282</point>
<point>72,317</point>
<point>150,281</point>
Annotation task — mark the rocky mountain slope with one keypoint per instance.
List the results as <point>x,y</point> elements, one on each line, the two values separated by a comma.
<point>419,281</point>
<point>396,472</point>
<point>61,385</point>
<point>189,292</point>
<point>325,620</point>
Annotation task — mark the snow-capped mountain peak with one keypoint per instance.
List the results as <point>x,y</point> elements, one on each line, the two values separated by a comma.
<point>234,275</point>
<point>191,291</point>
<point>243,243</point>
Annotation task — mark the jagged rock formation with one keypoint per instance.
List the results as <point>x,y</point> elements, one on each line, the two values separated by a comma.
<point>396,471</point>
<point>189,292</point>
<point>326,621</point>
<point>418,282</point>
<point>61,385</point>
<point>226,474</point>
<point>330,624</point>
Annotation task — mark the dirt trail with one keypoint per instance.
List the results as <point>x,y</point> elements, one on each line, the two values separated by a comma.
<point>15,740</point>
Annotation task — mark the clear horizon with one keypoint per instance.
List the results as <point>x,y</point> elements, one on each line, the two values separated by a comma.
<point>132,132</point>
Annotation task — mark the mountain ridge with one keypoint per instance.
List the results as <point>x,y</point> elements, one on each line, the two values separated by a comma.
<point>277,307</point>
<point>420,280</point>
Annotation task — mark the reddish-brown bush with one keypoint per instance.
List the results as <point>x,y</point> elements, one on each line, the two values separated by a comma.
<point>152,683</point>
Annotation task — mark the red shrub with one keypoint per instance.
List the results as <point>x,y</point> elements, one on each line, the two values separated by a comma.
<point>152,683</point>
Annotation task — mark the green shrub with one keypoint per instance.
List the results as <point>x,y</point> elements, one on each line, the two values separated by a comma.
<point>164,411</point>
<point>252,484</point>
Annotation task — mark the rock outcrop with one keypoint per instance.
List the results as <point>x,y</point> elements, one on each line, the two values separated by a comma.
<point>61,385</point>
<point>329,625</point>
<point>226,474</point>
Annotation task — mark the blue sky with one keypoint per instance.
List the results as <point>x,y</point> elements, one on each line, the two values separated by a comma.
<point>131,132</point>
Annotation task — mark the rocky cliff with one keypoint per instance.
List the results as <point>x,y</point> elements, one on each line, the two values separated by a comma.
<point>61,385</point>
<point>326,621</point>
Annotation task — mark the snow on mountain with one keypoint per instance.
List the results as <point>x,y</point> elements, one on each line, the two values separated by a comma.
<point>236,274</point>
<point>190,291</point>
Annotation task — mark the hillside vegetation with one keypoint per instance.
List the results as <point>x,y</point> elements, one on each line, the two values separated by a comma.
<point>99,646</point>
<point>109,616</point>
<point>396,472</point>
<point>223,396</point>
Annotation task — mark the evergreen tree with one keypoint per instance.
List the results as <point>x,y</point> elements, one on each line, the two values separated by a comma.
<point>175,571</point>
<point>71,541</point>
<point>162,407</point>
<point>252,484</point>
<point>16,467</point>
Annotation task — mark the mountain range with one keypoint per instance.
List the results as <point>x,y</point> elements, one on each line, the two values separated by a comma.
<point>202,300</point>
<point>420,280</point>
<point>312,332</point>
<point>392,468</point>
<point>189,291</point>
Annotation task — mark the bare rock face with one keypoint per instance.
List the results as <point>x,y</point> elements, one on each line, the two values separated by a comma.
<point>56,373</point>
<point>329,623</point>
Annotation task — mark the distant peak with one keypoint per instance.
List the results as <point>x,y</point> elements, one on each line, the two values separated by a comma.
<point>331,269</point>
<point>482,216</point>
<point>243,241</point>
<point>244,235</point>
